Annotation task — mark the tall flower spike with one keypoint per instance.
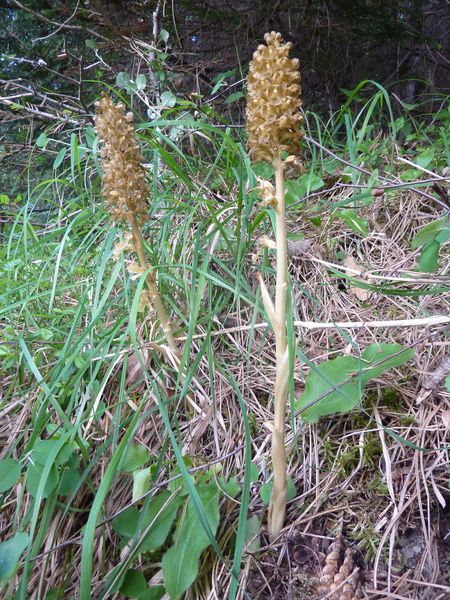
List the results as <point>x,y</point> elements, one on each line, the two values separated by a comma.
<point>126,191</point>
<point>124,182</point>
<point>273,101</point>
<point>273,125</point>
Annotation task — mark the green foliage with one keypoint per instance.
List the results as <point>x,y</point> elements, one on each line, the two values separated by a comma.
<point>252,534</point>
<point>430,238</point>
<point>354,222</point>
<point>69,309</point>
<point>447,383</point>
<point>265,490</point>
<point>158,516</point>
<point>64,471</point>
<point>134,584</point>
<point>9,473</point>
<point>180,562</point>
<point>337,385</point>
<point>135,457</point>
<point>10,552</point>
<point>147,531</point>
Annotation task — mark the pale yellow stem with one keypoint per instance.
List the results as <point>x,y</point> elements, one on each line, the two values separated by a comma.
<point>155,298</point>
<point>277,507</point>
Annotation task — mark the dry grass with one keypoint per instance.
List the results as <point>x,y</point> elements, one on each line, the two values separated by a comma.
<point>387,495</point>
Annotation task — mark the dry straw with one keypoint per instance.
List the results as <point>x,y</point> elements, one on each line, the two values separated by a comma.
<point>126,192</point>
<point>273,125</point>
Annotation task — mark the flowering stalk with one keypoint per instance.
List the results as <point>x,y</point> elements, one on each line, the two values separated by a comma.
<point>126,192</point>
<point>273,124</point>
<point>154,297</point>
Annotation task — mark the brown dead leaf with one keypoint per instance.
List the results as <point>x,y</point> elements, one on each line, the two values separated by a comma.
<point>352,268</point>
<point>445,415</point>
<point>135,374</point>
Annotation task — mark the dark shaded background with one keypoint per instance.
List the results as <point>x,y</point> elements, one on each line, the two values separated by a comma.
<point>401,44</point>
<point>56,56</point>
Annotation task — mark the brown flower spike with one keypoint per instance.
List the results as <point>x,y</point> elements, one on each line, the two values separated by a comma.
<point>273,125</point>
<point>126,191</point>
<point>125,187</point>
<point>273,100</point>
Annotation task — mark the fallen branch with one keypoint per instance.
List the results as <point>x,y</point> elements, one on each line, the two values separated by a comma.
<point>421,322</point>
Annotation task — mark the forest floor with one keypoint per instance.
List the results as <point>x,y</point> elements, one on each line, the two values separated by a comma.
<point>96,424</point>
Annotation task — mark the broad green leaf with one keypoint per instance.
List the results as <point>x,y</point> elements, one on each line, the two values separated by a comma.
<point>447,383</point>
<point>135,457</point>
<point>428,233</point>
<point>59,158</point>
<point>70,476</point>
<point>234,96</point>
<point>129,525</point>
<point>42,449</point>
<point>9,473</point>
<point>164,35</point>
<point>153,593</point>
<point>6,352</point>
<point>141,483</point>
<point>378,358</point>
<point>167,100</point>
<point>123,80</point>
<point>294,191</point>
<point>10,552</point>
<point>374,179</point>
<point>42,141</point>
<point>326,390</point>
<point>264,170</point>
<point>141,82</point>
<point>223,75</point>
<point>399,123</point>
<point>218,84</point>
<point>444,235</point>
<point>424,158</point>
<point>161,524</point>
<point>90,135</point>
<point>252,531</point>
<point>266,490</point>
<point>180,562</point>
<point>254,473</point>
<point>428,260</point>
<point>230,486</point>
<point>134,584</point>
<point>34,476</point>
<point>45,334</point>
<point>312,182</point>
<point>291,489</point>
<point>355,222</point>
<point>126,523</point>
<point>410,175</point>
<point>337,385</point>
